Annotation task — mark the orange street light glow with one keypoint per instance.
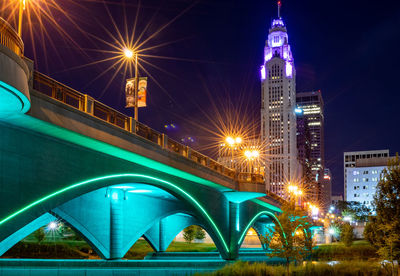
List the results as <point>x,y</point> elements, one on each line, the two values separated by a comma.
<point>128,53</point>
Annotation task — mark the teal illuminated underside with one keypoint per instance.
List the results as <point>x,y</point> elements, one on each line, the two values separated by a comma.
<point>12,100</point>
<point>163,182</point>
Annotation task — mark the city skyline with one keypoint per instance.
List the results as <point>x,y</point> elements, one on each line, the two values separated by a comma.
<point>340,64</point>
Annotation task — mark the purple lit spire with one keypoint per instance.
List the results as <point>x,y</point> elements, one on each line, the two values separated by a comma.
<point>277,45</point>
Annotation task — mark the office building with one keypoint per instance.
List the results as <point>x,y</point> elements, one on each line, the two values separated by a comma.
<point>312,106</point>
<point>362,179</point>
<point>350,159</point>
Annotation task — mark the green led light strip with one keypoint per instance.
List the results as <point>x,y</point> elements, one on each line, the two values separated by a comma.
<point>117,176</point>
<point>252,221</point>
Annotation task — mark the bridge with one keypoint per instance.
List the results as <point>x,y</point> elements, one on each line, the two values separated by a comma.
<point>67,156</point>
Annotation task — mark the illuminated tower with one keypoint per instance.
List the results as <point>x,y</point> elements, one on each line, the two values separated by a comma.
<point>278,120</point>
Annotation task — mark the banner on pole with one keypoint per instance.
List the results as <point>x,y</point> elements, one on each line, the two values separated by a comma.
<point>142,92</point>
<point>130,92</point>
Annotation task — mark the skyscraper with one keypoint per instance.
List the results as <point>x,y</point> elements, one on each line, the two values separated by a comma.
<point>312,106</point>
<point>278,120</point>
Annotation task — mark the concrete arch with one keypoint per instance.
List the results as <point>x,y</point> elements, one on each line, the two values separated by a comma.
<point>28,229</point>
<point>254,220</point>
<point>57,198</point>
<point>163,232</point>
<point>258,232</point>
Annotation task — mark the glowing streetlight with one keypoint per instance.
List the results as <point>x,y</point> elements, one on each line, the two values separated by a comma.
<point>128,53</point>
<point>233,141</point>
<point>314,210</point>
<point>52,225</point>
<point>292,188</point>
<point>251,155</point>
<point>296,192</point>
<point>230,141</point>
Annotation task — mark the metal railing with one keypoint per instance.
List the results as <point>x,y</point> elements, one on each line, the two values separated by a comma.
<point>85,103</point>
<point>10,39</point>
<point>251,177</point>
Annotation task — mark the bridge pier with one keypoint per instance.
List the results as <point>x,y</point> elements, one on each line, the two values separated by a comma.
<point>116,224</point>
<point>163,232</point>
<point>234,229</point>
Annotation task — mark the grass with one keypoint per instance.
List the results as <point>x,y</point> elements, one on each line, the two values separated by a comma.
<point>309,269</point>
<point>141,248</point>
<point>360,250</point>
<point>75,249</point>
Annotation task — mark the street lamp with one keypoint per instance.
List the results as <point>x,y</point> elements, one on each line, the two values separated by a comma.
<point>22,4</point>
<point>130,54</point>
<point>296,192</point>
<point>251,155</point>
<point>232,142</point>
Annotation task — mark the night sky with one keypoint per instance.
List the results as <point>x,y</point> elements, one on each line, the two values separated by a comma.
<point>347,49</point>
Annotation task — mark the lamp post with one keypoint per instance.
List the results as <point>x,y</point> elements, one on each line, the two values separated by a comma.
<point>296,192</point>
<point>231,141</point>
<point>21,12</point>
<point>129,55</point>
<point>251,155</point>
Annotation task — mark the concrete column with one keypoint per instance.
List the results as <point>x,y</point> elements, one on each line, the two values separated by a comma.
<point>235,229</point>
<point>116,224</point>
<point>163,244</point>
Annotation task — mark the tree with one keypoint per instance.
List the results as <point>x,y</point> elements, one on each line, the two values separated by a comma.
<point>347,234</point>
<point>291,238</point>
<point>193,232</point>
<point>189,233</point>
<point>356,210</point>
<point>383,230</point>
<point>200,233</point>
<point>39,235</point>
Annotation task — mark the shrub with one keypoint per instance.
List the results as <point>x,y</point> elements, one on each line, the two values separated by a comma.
<point>309,269</point>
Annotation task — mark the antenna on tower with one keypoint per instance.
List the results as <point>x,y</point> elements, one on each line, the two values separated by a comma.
<point>279,8</point>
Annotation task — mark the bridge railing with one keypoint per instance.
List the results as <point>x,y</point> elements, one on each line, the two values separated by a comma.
<point>10,39</point>
<point>250,177</point>
<point>85,103</point>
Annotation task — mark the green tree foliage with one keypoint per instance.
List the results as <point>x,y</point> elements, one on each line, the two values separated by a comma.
<point>347,234</point>
<point>189,233</point>
<point>39,235</point>
<point>383,231</point>
<point>292,238</point>
<point>353,209</point>
<point>200,233</point>
<point>193,232</point>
